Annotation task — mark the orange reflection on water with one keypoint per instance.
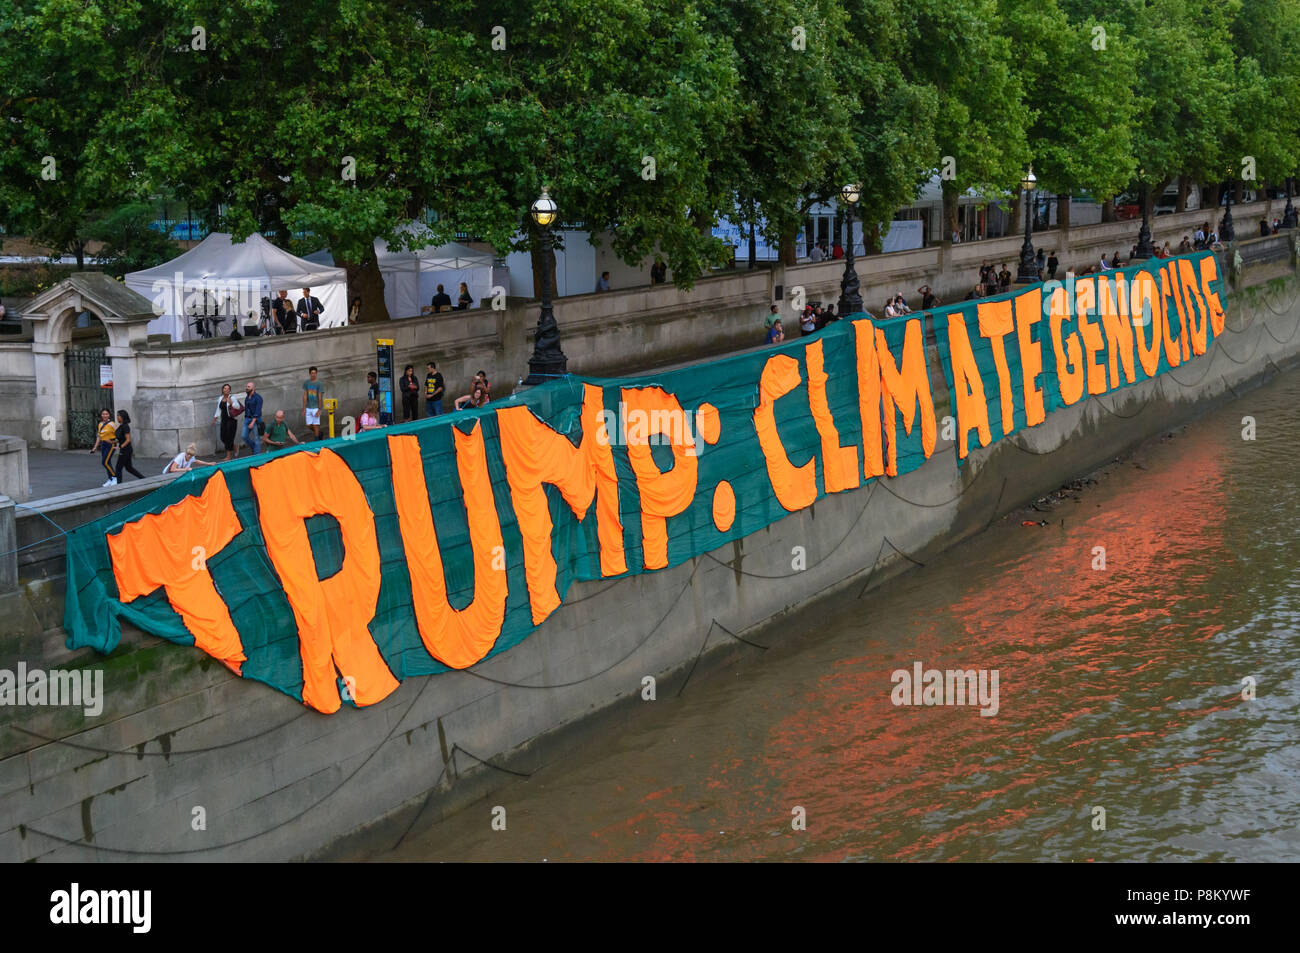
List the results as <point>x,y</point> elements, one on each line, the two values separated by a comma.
<point>1073,646</point>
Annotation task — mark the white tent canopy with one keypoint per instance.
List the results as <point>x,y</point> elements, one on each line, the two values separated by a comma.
<point>411,278</point>
<point>231,278</point>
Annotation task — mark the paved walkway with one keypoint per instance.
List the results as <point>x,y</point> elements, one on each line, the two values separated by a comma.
<point>56,472</point>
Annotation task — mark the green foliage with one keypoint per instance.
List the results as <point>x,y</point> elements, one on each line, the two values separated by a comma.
<point>962,52</point>
<point>129,243</point>
<point>1080,131</point>
<point>647,119</point>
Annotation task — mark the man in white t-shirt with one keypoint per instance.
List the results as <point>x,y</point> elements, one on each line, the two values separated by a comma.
<point>186,460</point>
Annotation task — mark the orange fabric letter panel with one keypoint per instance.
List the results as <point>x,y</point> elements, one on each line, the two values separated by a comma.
<point>1117,324</point>
<point>968,390</point>
<point>159,550</point>
<point>663,493</point>
<point>1192,294</point>
<point>1168,289</point>
<point>795,487</point>
<point>839,464</point>
<point>1147,307</point>
<point>869,399</point>
<point>1029,311</point>
<point>1069,355</point>
<point>455,637</point>
<point>534,454</point>
<point>333,615</point>
<point>905,386</point>
<point>995,323</point>
<point>1086,292</point>
<point>1210,272</point>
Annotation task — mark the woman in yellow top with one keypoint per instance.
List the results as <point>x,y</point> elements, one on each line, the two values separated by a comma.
<point>106,444</point>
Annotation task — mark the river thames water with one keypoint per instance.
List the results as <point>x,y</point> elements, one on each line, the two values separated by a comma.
<point>1119,689</point>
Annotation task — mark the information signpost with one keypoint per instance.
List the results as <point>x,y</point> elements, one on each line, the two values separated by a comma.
<point>384,354</point>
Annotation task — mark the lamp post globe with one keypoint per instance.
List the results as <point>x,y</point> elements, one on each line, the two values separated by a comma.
<point>850,288</point>
<point>1027,271</point>
<point>548,361</point>
<point>544,210</point>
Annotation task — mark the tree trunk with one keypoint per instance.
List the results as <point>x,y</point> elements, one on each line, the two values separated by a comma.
<point>789,253</point>
<point>1184,189</point>
<point>871,241</point>
<point>949,210</point>
<point>365,281</point>
<point>1237,188</point>
<point>1216,195</point>
<point>1063,210</point>
<point>79,249</point>
<point>1108,210</point>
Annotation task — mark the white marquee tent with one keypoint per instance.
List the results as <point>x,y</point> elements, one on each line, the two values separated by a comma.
<point>411,278</point>
<point>232,278</point>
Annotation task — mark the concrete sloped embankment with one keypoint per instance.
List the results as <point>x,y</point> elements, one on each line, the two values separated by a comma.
<point>188,762</point>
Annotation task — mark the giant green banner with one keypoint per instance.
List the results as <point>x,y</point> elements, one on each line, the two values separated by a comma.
<point>1012,359</point>
<point>334,571</point>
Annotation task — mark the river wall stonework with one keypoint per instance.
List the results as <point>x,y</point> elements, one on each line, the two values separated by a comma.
<point>187,762</point>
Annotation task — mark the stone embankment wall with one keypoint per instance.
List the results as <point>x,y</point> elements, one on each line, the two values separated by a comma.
<point>181,738</point>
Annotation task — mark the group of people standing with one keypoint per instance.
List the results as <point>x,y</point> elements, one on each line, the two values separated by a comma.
<point>811,320</point>
<point>244,418</point>
<point>282,316</point>
<point>411,388</point>
<point>820,252</point>
<point>241,422</point>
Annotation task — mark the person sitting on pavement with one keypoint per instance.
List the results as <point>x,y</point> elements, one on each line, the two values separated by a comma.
<point>369,417</point>
<point>185,460</point>
<point>476,399</point>
<point>278,435</point>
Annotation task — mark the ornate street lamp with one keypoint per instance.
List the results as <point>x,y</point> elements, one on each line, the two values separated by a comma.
<point>1227,233</point>
<point>850,289</point>
<point>1288,215</point>
<point>1028,269</point>
<point>1144,249</point>
<point>548,361</point>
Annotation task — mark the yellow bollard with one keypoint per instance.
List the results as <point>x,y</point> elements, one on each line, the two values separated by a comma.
<point>331,404</point>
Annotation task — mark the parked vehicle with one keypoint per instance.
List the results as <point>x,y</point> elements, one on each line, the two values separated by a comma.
<point>1167,203</point>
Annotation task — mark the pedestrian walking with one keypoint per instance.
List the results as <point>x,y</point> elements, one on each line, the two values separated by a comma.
<point>253,426</point>
<point>225,416</point>
<point>106,444</point>
<point>124,448</point>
